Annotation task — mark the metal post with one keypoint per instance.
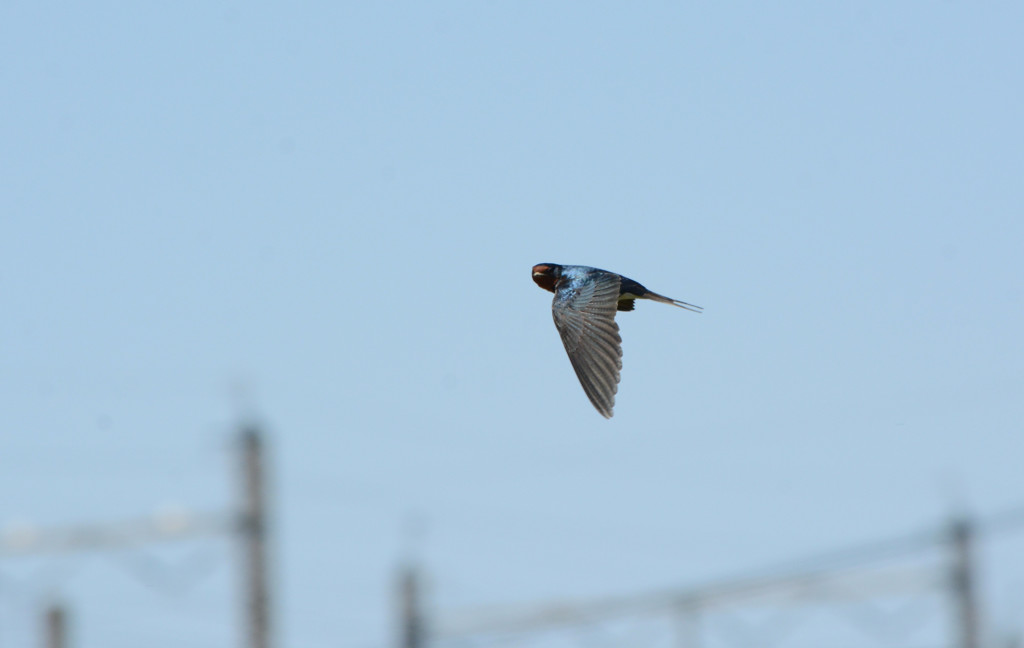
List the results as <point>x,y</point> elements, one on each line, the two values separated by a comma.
<point>963,585</point>
<point>55,626</point>
<point>411,630</point>
<point>254,540</point>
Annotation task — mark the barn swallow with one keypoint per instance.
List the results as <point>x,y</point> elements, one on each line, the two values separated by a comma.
<point>586,300</point>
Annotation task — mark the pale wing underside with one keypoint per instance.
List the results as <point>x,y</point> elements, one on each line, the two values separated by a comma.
<point>585,317</point>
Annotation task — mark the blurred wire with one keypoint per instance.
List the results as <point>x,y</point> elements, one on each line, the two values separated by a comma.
<point>893,624</point>
<point>178,577</point>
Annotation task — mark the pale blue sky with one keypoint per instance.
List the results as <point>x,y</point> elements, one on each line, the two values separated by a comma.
<point>337,205</point>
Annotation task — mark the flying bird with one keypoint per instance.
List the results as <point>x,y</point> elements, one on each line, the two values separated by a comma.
<point>586,300</point>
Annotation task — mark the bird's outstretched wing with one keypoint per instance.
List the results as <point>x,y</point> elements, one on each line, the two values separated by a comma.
<point>584,313</point>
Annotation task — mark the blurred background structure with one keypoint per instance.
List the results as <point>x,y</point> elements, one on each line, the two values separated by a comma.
<point>898,592</point>
<point>330,210</point>
<point>895,592</point>
<point>245,527</point>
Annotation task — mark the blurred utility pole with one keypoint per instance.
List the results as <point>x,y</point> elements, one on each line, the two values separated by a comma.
<point>254,540</point>
<point>55,627</point>
<point>411,629</point>
<point>963,582</point>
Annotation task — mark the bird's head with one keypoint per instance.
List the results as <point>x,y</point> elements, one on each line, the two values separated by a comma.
<point>546,275</point>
